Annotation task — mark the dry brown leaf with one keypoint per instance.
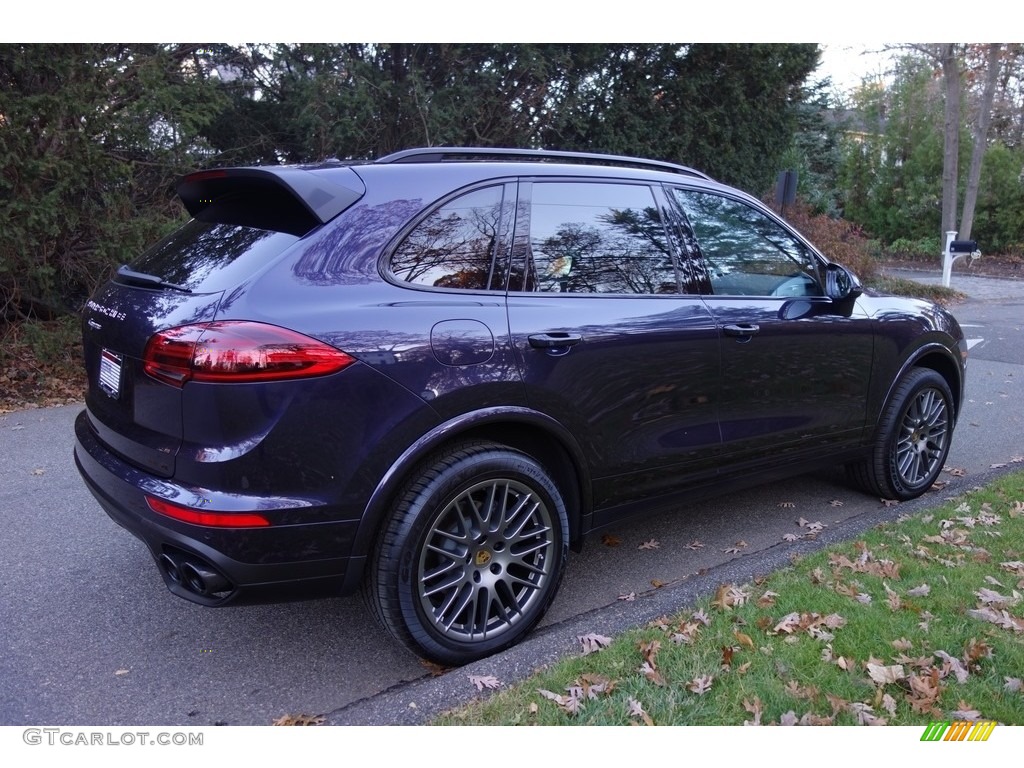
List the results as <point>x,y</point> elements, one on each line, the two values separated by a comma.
<point>965,711</point>
<point>920,591</point>
<point>694,545</point>
<point>651,544</point>
<point>485,681</point>
<point>657,583</point>
<point>886,675</point>
<point>39,471</point>
<point>902,644</point>
<point>790,537</point>
<point>299,720</point>
<point>636,709</point>
<point>700,685</point>
<point>889,502</point>
<point>121,672</point>
<point>629,597</point>
<point>593,642</point>
<point>610,540</point>
<point>729,596</point>
<point>435,669</point>
<point>754,708</point>
<point>786,505</point>
<point>865,714</point>
<point>1013,685</point>
<point>789,718</point>
<point>743,639</point>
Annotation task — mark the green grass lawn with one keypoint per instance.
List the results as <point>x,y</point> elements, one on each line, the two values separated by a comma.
<point>920,619</point>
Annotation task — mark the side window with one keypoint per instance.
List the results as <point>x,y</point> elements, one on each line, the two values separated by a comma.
<point>588,237</point>
<point>746,252</point>
<point>457,246</point>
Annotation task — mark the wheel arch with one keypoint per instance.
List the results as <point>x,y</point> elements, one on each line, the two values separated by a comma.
<point>531,432</point>
<point>940,360</point>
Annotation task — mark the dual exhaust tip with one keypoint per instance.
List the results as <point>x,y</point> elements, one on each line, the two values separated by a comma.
<point>194,575</point>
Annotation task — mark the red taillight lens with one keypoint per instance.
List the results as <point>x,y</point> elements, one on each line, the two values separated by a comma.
<point>238,352</point>
<point>213,519</point>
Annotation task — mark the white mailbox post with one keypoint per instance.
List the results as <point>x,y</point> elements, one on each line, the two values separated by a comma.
<point>954,250</point>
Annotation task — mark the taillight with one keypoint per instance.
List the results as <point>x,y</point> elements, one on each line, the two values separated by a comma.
<point>237,352</point>
<point>201,517</point>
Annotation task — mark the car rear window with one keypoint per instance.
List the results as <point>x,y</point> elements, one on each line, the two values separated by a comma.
<point>205,257</point>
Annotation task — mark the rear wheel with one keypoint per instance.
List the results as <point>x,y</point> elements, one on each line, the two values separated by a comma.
<point>472,556</point>
<point>913,438</point>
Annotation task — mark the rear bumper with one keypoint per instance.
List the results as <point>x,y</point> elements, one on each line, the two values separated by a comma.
<point>287,560</point>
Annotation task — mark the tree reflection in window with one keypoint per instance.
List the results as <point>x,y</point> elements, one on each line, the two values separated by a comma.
<point>746,252</point>
<point>598,238</point>
<point>454,247</point>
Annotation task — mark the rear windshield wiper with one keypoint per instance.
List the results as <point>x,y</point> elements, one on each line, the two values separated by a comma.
<point>141,278</point>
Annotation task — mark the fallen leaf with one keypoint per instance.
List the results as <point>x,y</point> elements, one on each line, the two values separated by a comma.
<point>743,639</point>
<point>921,591</point>
<point>694,545</point>
<point>886,675</point>
<point>865,714</point>
<point>965,712</point>
<point>629,597</point>
<point>786,505</point>
<point>39,471</point>
<point>789,718</point>
<point>652,544</point>
<point>902,644</point>
<point>727,653</point>
<point>593,642</point>
<point>889,704</point>
<point>836,503</point>
<point>610,541</point>
<point>657,583</point>
<point>435,669</point>
<point>702,617</point>
<point>790,537</point>
<point>767,599</point>
<point>636,709</point>
<point>485,681</point>
<point>700,685</point>
<point>1013,685</point>
<point>121,672</point>
<point>299,720</point>
<point>955,471</point>
<point>953,665</point>
<point>728,596</point>
<point>889,502</point>
<point>754,708</point>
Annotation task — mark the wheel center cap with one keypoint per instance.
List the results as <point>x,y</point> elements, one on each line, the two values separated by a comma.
<point>483,557</point>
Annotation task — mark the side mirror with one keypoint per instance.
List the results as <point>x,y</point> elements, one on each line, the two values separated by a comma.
<point>841,283</point>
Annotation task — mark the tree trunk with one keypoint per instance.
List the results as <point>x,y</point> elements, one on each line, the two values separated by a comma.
<point>980,142</point>
<point>951,143</point>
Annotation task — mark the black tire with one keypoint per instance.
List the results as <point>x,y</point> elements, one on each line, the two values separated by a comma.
<point>472,555</point>
<point>912,441</point>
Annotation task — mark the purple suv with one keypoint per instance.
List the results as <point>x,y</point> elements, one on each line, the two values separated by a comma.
<point>430,375</point>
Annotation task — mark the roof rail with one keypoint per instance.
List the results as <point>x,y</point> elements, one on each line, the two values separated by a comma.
<point>454,154</point>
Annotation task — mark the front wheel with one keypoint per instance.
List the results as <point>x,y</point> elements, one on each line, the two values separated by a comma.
<point>472,555</point>
<point>913,438</point>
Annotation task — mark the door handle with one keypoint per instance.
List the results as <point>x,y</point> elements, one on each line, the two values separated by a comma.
<point>554,340</point>
<point>743,331</point>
